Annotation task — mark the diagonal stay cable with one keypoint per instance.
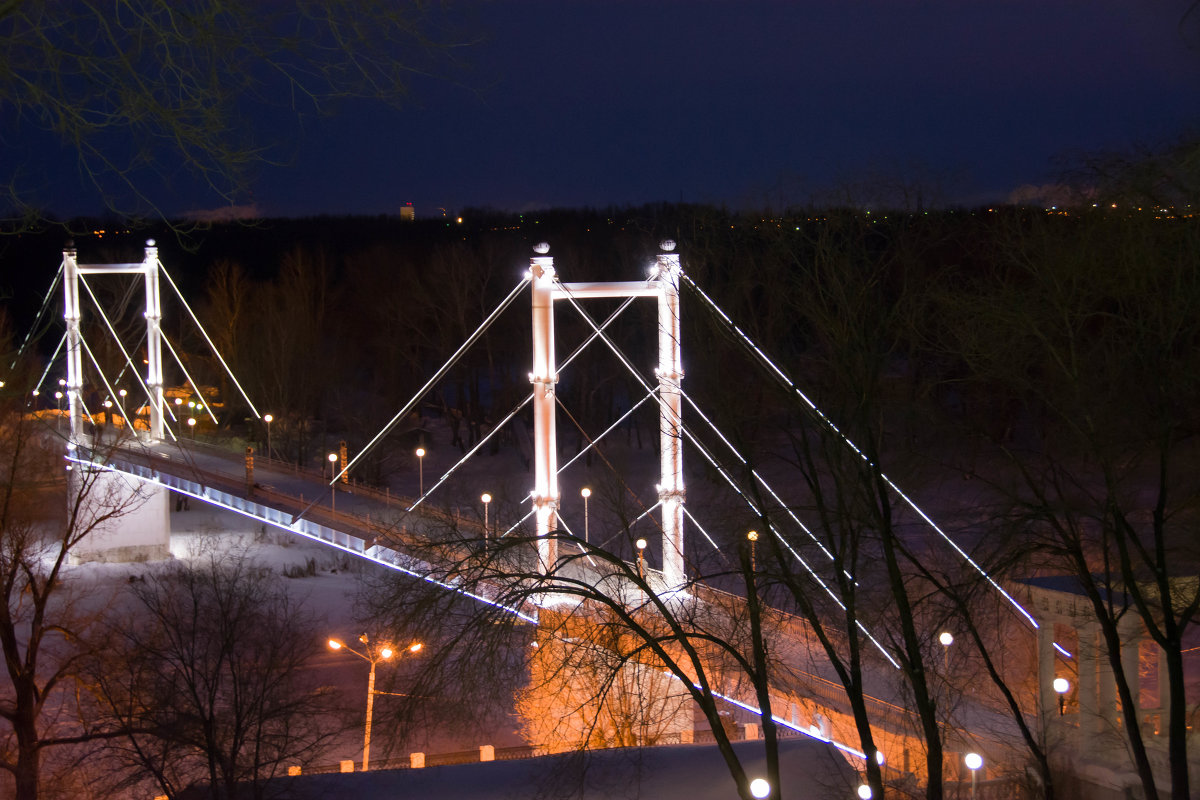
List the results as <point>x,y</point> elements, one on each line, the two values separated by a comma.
<point>788,383</point>
<point>733,484</point>
<point>500,425</point>
<point>212,346</point>
<point>416,398</point>
<point>50,363</point>
<point>604,458</point>
<point>113,333</point>
<point>29,334</point>
<point>758,476</point>
<point>190,380</point>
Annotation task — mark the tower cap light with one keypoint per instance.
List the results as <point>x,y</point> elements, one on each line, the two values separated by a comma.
<point>541,248</point>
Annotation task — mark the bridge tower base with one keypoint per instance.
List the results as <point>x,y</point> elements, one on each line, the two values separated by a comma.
<point>139,528</point>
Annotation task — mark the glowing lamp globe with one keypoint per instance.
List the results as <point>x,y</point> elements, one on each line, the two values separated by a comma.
<point>973,761</point>
<point>864,791</point>
<point>760,788</point>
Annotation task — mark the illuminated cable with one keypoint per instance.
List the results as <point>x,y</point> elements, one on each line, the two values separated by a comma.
<point>195,387</point>
<point>112,332</point>
<point>163,270</point>
<point>766,362</point>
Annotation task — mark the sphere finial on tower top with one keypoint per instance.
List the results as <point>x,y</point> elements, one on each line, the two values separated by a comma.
<point>667,245</point>
<point>541,248</point>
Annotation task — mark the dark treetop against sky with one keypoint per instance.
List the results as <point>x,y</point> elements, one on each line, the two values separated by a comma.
<point>752,103</point>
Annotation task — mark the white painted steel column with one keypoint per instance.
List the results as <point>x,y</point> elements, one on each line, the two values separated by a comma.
<point>670,401</point>
<point>1047,697</point>
<point>543,377</point>
<point>154,374</point>
<point>74,342</point>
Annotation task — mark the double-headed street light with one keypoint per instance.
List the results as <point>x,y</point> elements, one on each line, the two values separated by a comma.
<point>373,655</point>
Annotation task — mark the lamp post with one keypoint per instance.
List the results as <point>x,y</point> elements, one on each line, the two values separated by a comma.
<point>585,493</point>
<point>752,537</point>
<point>420,472</point>
<point>641,548</point>
<point>192,427</point>
<point>332,482</point>
<point>973,761</point>
<point>487,500</point>
<point>373,655</point>
<point>1062,686</point>
<point>946,638</point>
<point>179,414</point>
<point>267,418</point>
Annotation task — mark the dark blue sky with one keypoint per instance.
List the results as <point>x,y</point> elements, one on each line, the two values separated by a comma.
<point>747,103</point>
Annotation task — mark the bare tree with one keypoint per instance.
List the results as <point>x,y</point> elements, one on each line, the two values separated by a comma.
<point>134,92</point>
<point>1090,326</point>
<point>44,626</point>
<point>206,676</point>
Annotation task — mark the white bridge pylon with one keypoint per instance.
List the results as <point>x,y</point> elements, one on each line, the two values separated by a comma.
<point>148,268</point>
<point>663,285</point>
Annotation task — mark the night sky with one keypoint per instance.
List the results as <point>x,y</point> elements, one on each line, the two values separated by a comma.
<point>750,104</point>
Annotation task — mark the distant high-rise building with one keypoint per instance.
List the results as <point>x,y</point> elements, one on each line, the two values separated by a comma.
<point>408,212</point>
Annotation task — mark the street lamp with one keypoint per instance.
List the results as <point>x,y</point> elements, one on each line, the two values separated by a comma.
<point>640,544</point>
<point>179,414</point>
<point>333,481</point>
<point>973,761</point>
<point>373,655</point>
<point>1062,686</point>
<point>752,537</point>
<point>192,426</point>
<point>947,639</point>
<point>864,791</point>
<point>760,788</point>
<point>585,493</point>
<point>421,471</point>
<point>487,499</point>
<point>267,418</point>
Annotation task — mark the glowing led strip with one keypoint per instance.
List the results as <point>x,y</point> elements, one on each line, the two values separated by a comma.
<point>293,529</point>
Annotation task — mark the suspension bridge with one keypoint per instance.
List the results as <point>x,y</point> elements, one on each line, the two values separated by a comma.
<point>147,454</point>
